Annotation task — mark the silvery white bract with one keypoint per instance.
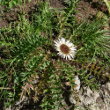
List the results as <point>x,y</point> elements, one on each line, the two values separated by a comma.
<point>65,48</point>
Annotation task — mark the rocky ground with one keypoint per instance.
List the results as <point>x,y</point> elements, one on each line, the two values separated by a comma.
<point>84,99</point>
<point>93,100</point>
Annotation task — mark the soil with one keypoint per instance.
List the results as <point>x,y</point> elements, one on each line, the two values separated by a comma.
<point>87,9</point>
<point>12,14</point>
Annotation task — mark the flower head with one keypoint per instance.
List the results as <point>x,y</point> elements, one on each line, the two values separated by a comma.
<point>65,48</point>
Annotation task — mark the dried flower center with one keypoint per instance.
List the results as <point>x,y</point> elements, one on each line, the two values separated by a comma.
<point>64,48</point>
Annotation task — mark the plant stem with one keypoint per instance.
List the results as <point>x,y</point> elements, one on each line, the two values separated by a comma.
<point>107,4</point>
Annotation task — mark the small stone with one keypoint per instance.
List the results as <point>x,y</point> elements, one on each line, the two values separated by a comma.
<point>77,83</point>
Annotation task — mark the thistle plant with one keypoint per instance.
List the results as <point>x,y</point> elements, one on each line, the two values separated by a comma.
<point>65,48</point>
<point>30,65</point>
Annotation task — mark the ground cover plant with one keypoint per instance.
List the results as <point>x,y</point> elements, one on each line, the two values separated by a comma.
<point>29,62</point>
<point>12,3</point>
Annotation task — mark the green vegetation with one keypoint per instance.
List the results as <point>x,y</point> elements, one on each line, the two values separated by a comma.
<point>12,3</point>
<point>30,66</point>
<point>107,2</point>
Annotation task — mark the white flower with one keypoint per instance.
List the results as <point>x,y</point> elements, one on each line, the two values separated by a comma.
<point>65,48</point>
<point>77,83</point>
